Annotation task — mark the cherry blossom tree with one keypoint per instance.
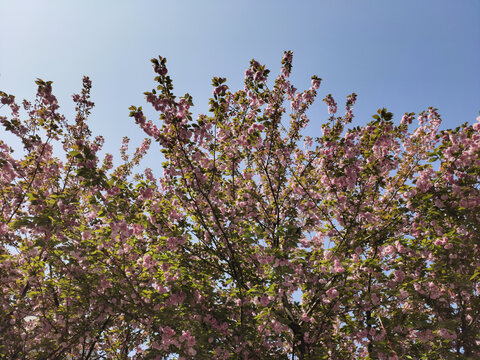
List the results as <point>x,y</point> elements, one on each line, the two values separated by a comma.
<point>258,241</point>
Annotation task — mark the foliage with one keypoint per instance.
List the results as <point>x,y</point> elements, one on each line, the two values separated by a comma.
<point>376,227</point>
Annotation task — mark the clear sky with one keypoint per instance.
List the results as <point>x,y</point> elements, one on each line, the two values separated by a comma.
<point>403,55</point>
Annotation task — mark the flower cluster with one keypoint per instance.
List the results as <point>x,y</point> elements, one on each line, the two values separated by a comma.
<point>256,242</point>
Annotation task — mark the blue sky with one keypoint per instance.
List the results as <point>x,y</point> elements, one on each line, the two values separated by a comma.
<point>403,55</point>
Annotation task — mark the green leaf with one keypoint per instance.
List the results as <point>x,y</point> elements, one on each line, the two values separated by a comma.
<point>76,154</point>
